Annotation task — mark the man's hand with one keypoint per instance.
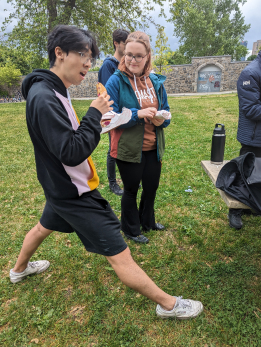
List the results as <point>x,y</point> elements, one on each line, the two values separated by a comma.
<point>148,112</point>
<point>102,103</point>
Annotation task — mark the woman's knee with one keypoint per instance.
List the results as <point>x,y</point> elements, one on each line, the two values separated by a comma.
<point>149,194</point>
<point>131,193</point>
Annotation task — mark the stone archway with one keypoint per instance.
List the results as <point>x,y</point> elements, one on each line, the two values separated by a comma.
<point>209,62</point>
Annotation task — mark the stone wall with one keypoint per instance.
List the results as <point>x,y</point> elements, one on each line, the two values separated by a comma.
<point>182,78</point>
<point>234,72</point>
<point>230,70</point>
<point>87,88</point>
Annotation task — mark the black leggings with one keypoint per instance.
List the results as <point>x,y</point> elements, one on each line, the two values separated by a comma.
<point>148,171</point>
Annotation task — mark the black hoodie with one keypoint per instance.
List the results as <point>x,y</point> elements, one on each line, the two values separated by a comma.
<point>61,145</point>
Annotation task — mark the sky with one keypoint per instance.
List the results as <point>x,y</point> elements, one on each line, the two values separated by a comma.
<point>251,12</point>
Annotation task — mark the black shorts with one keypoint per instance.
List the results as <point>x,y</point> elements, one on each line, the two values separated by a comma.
<point>91,217</point>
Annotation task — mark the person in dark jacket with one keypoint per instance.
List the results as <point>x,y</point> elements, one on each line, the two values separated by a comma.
<point>138,146</point>
<point>66,172</point>
<point>249,123</point>
<point>109,66</point>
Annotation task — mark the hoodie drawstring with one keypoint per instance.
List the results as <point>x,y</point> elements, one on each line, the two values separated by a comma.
<point>137,90</point>
<point>148,91</point>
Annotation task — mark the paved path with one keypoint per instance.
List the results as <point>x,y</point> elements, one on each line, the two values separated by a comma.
<point>172,95</point>
<point>180,94</point>
<point>203,94</point>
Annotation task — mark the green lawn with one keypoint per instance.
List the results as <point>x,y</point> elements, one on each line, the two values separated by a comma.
<point>79,300</point>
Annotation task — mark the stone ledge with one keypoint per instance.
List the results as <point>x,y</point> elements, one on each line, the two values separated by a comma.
<point>213,171</point>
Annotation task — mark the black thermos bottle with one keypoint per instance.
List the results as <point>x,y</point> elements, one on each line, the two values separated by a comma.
<point>218,144</point>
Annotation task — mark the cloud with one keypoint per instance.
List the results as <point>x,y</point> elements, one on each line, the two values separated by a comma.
<point>3,14</point>
<point>173,41</point>
<point>251,12</point>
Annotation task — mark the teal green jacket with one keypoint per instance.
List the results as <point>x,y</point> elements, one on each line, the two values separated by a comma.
<point>127,140</point>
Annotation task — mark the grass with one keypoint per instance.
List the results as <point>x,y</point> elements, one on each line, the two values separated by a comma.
<point>79,301</point>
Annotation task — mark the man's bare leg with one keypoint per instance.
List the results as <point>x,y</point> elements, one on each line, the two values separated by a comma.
<point>32,241</point>
<point>134,277</point>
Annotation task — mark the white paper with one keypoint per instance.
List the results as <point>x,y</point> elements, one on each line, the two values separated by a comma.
<point>163,114</point>
<point>117,119</point>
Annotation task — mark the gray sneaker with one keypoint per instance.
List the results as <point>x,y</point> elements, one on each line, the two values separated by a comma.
<point>183,309</point>
<point>34,267</point>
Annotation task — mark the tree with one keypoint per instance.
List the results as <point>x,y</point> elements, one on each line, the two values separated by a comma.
<point>172,58</point>
<point>252,57</point>
<point>160,64</point>
<point>178,58</point>
<point>36,18</point>
<point>209,27</point>
<point>9,76</point>
<point>23,61</point>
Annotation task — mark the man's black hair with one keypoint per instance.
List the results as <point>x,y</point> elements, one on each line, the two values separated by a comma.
<point>119,35</point>
<point>70,38</point>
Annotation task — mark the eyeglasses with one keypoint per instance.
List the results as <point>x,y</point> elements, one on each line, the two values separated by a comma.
<point>138,58</point>
<point>85,59</point>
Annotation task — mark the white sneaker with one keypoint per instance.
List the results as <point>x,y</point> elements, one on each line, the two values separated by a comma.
<point>183,309</point>
<point>34,267</point>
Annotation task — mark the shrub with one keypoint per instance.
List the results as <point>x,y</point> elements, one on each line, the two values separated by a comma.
<point>9,76</point>
<point>251,57</point>
<point>96,68</point>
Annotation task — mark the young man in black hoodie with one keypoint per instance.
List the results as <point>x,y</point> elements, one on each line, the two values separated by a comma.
<point>66,172</point>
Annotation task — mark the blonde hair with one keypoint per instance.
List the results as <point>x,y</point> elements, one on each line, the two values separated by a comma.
<point>141,37</point>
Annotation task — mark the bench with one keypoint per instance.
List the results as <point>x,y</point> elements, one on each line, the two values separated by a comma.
<point>212,171</point>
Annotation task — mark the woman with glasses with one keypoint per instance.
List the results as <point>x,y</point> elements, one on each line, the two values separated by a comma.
<point>138,146</point>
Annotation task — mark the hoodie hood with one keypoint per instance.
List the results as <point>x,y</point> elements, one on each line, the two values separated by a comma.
<point>47,76</point>
<point>112,58</point>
